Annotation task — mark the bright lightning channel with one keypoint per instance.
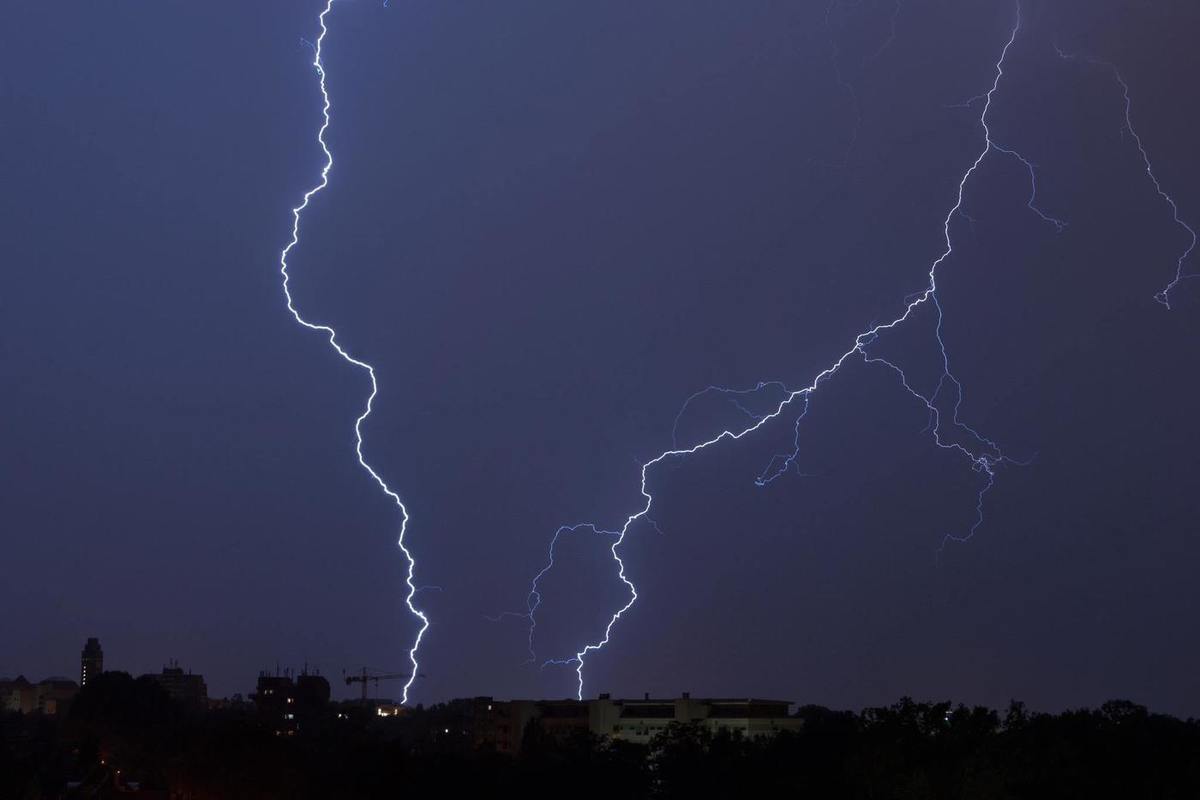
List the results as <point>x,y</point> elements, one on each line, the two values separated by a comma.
<point>982,454</point>
<point>363,365</point>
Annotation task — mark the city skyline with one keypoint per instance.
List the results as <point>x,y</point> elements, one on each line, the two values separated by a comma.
<point>931,262</point>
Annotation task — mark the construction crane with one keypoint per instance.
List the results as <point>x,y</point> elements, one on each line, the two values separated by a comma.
<point>363,676</point>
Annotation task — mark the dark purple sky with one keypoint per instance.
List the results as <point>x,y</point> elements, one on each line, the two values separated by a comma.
<point>547,225</point>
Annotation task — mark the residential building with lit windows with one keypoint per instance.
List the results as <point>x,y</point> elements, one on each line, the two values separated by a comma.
<point>641,720</point>
<point>502,723</point>
<point>286,702</point>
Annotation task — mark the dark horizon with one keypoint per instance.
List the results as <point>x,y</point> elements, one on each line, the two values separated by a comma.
<point>351,693</point>
<point>547,228</point>
<point>147,737</point>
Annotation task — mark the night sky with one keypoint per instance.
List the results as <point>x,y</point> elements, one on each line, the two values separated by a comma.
<point>547,225</point>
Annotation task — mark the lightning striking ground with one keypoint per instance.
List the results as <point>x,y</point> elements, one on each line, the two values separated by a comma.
<point>534,598</point>
<point>363,365</point>
<point>982,454</point>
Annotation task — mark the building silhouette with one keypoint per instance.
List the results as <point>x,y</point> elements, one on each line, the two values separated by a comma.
<point>50,696</point>
<point>91,660</point>
<point>286,702</point>
<point>502,724</point>
<point>311,692</point>
<point>18,695</point>
<point>641,720</point>
<point>54,695</point>
<point>186,688</point>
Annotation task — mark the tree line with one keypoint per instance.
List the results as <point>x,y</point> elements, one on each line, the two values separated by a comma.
<point>125,737</point>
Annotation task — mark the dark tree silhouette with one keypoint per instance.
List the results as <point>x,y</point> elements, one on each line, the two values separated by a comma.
<point>905,750</point>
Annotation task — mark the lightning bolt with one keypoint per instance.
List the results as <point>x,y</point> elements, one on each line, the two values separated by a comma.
<point>733,395</point>
<point>835,56</point>
<point>981,454</point>
<point>332,337</point>
<point>1164,295</point>
<point>847,85</point>
<point>891,37</point>
<point>534,598</point>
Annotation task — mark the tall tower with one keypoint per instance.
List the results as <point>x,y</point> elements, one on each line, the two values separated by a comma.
<point>91,661</point>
